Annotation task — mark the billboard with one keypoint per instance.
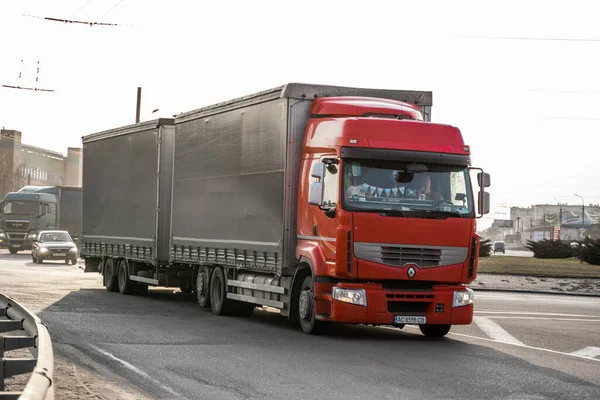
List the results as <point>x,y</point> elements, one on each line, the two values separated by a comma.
<point>503,223</point>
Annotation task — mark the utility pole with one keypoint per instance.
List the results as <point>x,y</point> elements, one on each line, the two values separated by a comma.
<point>139,103</point>
<point>582,214</point>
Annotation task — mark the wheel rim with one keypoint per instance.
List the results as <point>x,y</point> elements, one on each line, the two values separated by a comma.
<point>304,305</point>
<point>200,284</point>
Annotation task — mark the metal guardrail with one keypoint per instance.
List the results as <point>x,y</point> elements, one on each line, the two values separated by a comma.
<point>20,329</point>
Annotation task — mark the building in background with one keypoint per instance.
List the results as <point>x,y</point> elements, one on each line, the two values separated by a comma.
<point>22,164</point>
<point>552,221</point>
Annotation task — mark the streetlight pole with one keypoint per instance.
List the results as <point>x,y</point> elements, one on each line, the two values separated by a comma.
<point>582,214</point>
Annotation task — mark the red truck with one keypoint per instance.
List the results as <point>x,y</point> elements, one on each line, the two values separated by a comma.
<point>331,204</point>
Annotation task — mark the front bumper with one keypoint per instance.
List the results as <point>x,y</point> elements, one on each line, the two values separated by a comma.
<point>384,304</point>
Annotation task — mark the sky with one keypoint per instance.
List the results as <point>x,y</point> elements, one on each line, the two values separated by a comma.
<point>518,78</point>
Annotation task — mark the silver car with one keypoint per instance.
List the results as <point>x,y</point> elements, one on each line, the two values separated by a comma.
<point>54,245</point>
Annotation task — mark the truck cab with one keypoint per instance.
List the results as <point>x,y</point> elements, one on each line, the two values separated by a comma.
<point>387,216</point>
<point>23,214</point>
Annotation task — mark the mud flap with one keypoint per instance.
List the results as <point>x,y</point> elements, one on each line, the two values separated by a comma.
<point>92,265</point>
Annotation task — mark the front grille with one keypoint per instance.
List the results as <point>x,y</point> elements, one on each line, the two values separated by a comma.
<point>19,236</point>
<point>407,285</point>
<point>407,307</point>
<point>20,225</point>
<point>399,255</point>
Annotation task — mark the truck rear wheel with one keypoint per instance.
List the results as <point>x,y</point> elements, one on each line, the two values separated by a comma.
<point>202,287</point>
<point>435,331</point>
<point>110,280</point>
<point>126,285</point>
<point>219,302</point>
<point>306,308</point>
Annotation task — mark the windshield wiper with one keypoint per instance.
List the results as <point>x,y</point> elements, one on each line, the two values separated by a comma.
<point>393,213</point>
<point>421,214</point>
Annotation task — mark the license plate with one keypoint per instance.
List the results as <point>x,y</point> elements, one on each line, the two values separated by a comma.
<point>60,254</point>
<point>16,245</point>
<point>409,319</point>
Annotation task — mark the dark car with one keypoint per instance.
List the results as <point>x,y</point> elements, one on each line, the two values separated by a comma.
<point>54,245</point>
<point>499,247</point>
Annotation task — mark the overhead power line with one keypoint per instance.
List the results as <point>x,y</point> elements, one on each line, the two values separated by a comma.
<point>81,8</point>
<point>73,21</point>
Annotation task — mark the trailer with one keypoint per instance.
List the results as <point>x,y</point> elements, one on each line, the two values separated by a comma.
<point>241,202</point>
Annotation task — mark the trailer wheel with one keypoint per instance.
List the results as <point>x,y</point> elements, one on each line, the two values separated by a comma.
<point>219,302</point>
<point>306,308</point>
<point>126,285</point>
<point>110,280</point>
<point>435,331</point>
<point>202,287</point>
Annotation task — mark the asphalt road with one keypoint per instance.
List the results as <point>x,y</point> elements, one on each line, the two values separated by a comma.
<point>165,346</point>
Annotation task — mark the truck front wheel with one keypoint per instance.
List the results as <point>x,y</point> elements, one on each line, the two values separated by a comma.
<point>306,308</point>
<point>435,331</point>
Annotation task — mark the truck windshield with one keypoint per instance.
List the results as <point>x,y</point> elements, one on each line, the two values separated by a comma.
<point>20,207</point>
<point>389,186</point>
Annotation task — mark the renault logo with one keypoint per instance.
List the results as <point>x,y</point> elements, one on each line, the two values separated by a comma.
<point>411,272</point>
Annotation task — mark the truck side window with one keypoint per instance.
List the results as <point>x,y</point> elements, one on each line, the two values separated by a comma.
<point>331,183</point>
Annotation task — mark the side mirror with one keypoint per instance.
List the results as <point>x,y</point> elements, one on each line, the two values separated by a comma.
<point>318,171</point>
<point>316,189</point>
<point>483,203</point>
<point>315,193</point>
<point>484,180</point>
<point>460,197</point>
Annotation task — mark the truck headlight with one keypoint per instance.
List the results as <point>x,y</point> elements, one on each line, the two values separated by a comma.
<point>2,235</point>
<point>352,296</point>
<point>463,298</point>
<point>73,249</point>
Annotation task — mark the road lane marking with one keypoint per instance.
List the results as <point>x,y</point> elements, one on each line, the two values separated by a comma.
<point>534,313</point>
<point>134,369</point>
<point>513,344</point>
<point>495,331</point>
<point>589,351</point>
<point>546,318</point>
<point>520,299</point>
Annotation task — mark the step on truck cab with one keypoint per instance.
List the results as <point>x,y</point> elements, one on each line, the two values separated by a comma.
<point>331,204</point>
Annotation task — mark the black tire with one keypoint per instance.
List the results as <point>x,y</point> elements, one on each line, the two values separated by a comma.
<point>32,257</point>
<point>219,303</point>
<point>67,261</point>
<point>435,331</point>
<point>13,251</point>
<point>306,308</point>
<point>74,261</point>
<point>126,285</point>
<point>203,287</point>
<point>110,280</point>
<point>39,259</point>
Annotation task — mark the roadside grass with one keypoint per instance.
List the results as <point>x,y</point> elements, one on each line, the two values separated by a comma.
<point>529,266</point>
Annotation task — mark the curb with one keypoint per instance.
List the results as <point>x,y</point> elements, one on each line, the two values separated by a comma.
<point>535,292</point>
